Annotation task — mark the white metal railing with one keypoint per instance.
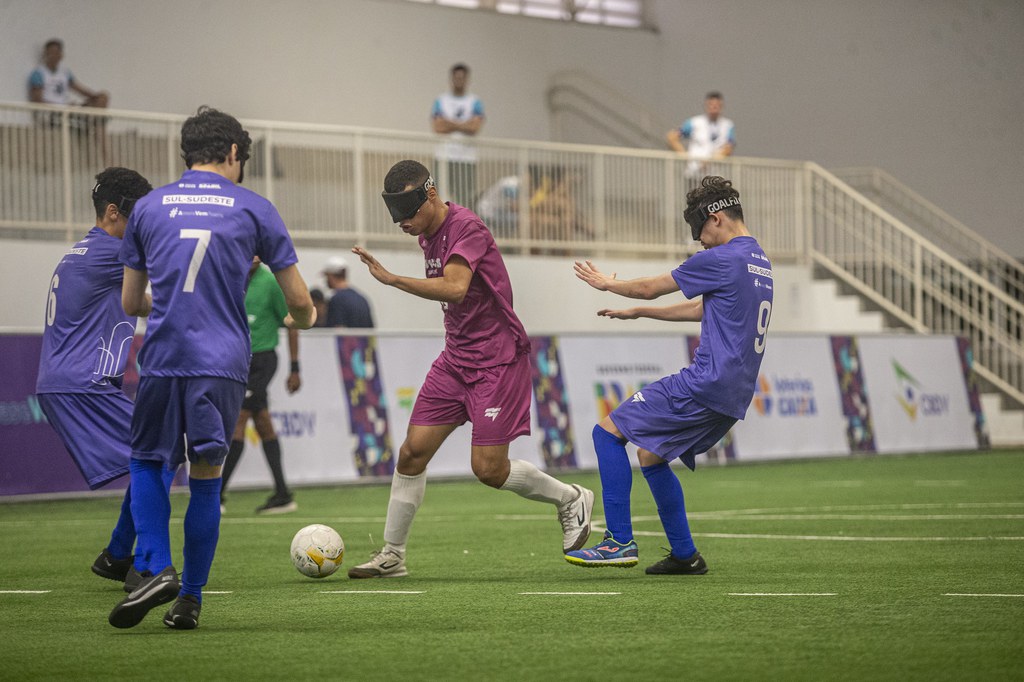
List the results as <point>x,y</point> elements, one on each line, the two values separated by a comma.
<point>949,234</point>
<point>326,181</point>
<point>914,280</point>
<point>580,201</point>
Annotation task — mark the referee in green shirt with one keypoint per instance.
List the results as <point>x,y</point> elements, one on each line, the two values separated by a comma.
<point>266,309</point>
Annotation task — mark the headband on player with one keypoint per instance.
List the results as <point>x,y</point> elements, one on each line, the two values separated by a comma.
<point>404,205</point>
<point>698,215</point>
<point>124,204</point>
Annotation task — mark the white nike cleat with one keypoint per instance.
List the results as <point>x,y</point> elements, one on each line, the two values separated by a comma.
<point>384,563</point>
<point>575,519</point>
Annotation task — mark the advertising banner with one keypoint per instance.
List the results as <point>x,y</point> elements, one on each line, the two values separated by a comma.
<point>918,397</point>
<point>796,410</point>
<point>816,395</point>
<point>602,371</point>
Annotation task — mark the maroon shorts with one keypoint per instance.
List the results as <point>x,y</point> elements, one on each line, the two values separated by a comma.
<point>495,399</point>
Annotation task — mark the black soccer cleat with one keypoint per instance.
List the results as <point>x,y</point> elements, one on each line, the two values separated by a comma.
<point>278,504</point>
<point>153,591</point>
<point>184,613</point>
<point>133,579</point>
<point>670,565</point>
<point>106,566</point>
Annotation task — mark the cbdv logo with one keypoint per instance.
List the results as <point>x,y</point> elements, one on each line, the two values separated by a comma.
<point>786,396</point>
<point>914,399</point>
<point>295,424</point>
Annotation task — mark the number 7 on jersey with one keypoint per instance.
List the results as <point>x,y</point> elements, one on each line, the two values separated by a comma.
<point>202,238</point>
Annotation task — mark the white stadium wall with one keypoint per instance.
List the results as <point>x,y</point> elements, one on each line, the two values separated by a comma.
<point>929,91</point>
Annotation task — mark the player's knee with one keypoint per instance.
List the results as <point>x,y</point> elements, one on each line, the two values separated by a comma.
<point>411,461</point>
<point>493,474</point>
<point>648,458</point>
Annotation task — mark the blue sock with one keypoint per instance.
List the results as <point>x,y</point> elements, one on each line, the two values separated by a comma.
<point>151,511</point>
<point>202,529</point>
<point>668,494</point>
<point>616,483</point>
<point>122,539</point>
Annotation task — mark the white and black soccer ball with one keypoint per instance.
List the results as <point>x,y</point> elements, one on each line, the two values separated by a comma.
<point>317,550</point>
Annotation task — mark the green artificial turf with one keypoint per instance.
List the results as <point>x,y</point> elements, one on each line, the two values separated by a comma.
<point>885,540</point>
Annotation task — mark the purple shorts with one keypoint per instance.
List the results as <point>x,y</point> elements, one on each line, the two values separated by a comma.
<point>171,410</point>
<point>670,426</point>
<point>496,399</point>
<point>95,428</point>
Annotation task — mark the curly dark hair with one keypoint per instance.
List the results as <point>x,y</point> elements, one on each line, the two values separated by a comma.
<point>712,188</point>
<point>119,186</point>
<point>404,174</point>
<point>207,137</point>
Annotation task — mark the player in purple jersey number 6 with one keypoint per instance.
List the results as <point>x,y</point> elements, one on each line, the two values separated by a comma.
<point>683,415</point>
<point>84,354</point>
<point>482,376</point>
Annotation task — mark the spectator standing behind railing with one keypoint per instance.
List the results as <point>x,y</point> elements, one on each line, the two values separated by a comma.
<point>458,114</point>
<point>708,136</point>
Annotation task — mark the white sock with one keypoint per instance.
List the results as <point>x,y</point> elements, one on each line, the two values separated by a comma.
<point>406,497</point>
<point>528,481</point>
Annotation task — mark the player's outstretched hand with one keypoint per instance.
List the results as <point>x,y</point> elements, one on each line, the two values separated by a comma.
<point>629,314</point>
<point>376,269</point>
<point>589,273</point>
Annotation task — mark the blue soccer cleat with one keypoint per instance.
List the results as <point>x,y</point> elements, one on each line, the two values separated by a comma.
<point>608,552</point>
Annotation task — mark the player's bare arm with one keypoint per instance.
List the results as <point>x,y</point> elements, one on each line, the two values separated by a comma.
<point>301,311</point>
<point>687,311</point>
<point>134,298</point>
<point>646,288</point>
<point>451,287</point>
<point>294,381</point>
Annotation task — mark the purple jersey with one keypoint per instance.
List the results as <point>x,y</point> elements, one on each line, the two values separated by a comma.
<point>87,334</point>
<point>483,330</point>
<point>196,239</point>
<point>735,280</point>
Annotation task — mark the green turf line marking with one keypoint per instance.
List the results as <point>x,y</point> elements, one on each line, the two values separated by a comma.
<point>953,594</point>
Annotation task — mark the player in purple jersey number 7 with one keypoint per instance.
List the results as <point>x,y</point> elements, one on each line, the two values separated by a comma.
<point>194,240</point>
<point>683,415</point>
<point>482,375</point>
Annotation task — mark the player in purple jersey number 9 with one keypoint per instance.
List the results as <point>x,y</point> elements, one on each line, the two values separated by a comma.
<point>685,414</point>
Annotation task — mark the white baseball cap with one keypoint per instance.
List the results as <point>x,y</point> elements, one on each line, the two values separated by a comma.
<point>335,265</point>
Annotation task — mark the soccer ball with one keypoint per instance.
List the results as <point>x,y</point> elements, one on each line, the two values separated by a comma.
<point>317,550</point>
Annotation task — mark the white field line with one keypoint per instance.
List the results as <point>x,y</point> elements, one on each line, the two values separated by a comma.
<point>371,592</point>
<point>824,538</point>
<point>25,591</point>
<point>845,538</point>
<point>954,594</point>
<point>206,592</point>
<point>782,594</point>
<point>570,594</point>
<point>826,512</point>
<point>852,517</point>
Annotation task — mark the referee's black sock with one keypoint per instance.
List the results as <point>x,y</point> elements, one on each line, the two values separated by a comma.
<point>272,449</point>
<point>234,454</point>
